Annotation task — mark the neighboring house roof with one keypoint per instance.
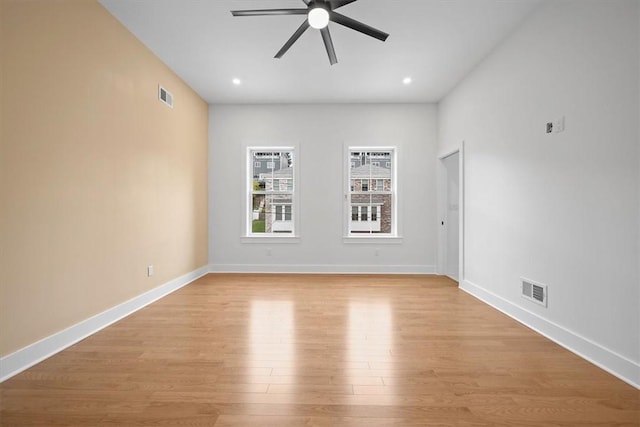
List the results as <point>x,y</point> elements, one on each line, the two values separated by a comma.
<point>370,171</point>
<point>280,173</point>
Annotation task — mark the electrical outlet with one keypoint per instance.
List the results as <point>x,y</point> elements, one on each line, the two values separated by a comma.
<point>376,252</point>
<point>149,270</point>
<point>269,252</point>
<point>555,126</point>
<point>549,127</point>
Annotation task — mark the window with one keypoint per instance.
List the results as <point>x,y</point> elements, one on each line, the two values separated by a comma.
<point>271,192</point>
<point>283,213</point>
<point>371,198</point>
<point>363,213</point>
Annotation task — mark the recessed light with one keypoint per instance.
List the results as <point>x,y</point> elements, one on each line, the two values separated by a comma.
<point>407,80</point>
<point>236,81</point>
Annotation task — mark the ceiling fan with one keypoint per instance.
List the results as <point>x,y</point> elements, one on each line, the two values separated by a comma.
<point>319,13</point>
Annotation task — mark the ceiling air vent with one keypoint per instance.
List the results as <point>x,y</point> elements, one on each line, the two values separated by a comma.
<point>535,292</point>
<point>165,96</point>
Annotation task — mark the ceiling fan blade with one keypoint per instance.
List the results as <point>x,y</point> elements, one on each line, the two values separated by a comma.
<point>263,12</point>
<point>293,39</point>
<point>339,3</point>
<point>306,2</point>
<point>358,26</point>
<point>328,43</point>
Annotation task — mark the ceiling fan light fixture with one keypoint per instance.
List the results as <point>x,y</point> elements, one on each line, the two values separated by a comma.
<point>318,18</point>
<point>318,14</point>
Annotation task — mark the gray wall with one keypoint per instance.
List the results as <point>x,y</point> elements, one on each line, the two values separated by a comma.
<point>320,133</point>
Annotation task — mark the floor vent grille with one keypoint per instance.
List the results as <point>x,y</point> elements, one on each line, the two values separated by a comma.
<point>535,292</point>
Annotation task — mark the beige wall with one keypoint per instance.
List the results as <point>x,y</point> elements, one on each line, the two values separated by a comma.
<point>98,179</point>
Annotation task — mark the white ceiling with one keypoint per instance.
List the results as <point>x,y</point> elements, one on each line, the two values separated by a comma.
<point>436,42</point>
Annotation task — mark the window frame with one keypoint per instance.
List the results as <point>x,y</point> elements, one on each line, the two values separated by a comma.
<point>248,236</point>
<point>395,236</point>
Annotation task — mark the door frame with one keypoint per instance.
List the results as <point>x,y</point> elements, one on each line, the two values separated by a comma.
<point>442,211</point>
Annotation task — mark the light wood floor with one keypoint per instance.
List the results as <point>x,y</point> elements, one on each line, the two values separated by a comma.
<point>325,350</point>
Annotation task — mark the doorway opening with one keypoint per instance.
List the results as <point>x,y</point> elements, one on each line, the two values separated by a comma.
<point>451,261</point>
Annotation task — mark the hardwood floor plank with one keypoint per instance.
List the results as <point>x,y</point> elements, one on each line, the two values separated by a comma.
<point>292,421</point>
<point>311,389</point>
<point>317,350</point>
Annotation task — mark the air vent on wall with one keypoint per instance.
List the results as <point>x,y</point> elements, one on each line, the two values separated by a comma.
<point>165,96</point>
<point>535,292</point>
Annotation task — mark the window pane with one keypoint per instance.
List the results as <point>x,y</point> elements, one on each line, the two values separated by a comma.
<point>371,187</point>
<point>258,213</point>
<point>272,172</point>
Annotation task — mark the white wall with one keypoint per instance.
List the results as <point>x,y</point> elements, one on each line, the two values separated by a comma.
<point>638,189</point>
<point>563,208</point>
<point>320,133</point>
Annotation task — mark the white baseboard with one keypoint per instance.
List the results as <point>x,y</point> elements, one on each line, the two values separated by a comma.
<point>322,269</point>
<point>623,368</point>
<point>28,356</point>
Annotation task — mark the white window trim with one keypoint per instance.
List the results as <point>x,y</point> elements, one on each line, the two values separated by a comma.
<point>373,240</point>
<point>247,237</point>
<point>396,226</point>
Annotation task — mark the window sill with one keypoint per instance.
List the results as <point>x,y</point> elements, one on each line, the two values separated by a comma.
<point>270,239</point>
<point>377,240</point>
